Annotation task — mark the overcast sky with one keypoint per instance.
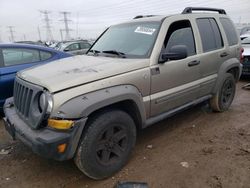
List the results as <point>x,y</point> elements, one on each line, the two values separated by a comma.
<point>91,17</point>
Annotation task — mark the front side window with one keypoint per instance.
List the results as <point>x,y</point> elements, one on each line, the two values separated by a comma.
<point>210,34</point>
<point>16,56</point>
<point>180,33</point>
<point>132,39</point>
<point>230,31</point>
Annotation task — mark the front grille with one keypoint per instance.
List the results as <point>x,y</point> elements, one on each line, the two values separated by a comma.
<point>22,98</point>
<point>26,96</point>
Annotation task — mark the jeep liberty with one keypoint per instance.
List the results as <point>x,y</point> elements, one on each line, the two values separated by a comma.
<point>89,107</point>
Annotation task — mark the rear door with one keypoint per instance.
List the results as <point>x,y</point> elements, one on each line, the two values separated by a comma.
<point>213,53</point>
<point>84,47</point>
<point>175,82</point>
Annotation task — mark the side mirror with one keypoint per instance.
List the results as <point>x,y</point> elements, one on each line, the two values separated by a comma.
<point>66,50</point>
<point>175,53</point>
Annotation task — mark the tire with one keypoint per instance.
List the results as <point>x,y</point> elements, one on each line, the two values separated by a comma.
<point>106,144</point>
<point>223,98</point>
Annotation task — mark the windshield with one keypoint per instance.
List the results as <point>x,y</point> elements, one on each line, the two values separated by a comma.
<point>132,40</point>
<point>246,41</point>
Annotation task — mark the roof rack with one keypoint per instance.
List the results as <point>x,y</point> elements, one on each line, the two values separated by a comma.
<point>143,16</point>
<point>189,10</point>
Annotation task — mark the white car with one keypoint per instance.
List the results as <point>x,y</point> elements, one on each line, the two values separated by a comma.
<point>246,61</point>
<point>245,35</point>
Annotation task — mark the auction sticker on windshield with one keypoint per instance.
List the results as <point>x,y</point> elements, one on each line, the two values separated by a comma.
<point>145,30</point>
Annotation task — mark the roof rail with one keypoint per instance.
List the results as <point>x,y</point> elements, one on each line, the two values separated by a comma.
<point>189,10</point>
<point>143,16</point>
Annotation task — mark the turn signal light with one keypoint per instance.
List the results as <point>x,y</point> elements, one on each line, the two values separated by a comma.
<point>61,148</point>
<point>60,124</point>
<point>241,55</point>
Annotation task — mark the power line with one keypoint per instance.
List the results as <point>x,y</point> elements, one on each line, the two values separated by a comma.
<point>66,24</point>
<point>47,24</point>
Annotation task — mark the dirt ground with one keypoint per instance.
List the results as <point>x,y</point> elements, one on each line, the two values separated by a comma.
<point>197,148</point>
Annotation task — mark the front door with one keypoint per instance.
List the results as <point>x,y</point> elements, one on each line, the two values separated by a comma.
<point>176,82</point>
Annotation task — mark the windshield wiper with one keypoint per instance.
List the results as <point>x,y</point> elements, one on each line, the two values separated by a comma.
<point>120,54</point>
<point>95,52</point>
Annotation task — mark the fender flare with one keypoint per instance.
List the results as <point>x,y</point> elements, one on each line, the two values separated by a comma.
<point>224,68</point>
<point>82,106</point>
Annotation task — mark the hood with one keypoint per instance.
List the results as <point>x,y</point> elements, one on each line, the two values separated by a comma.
<point>77,70</point>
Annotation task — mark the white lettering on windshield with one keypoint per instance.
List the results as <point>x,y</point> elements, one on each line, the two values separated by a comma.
<point>145,30</point>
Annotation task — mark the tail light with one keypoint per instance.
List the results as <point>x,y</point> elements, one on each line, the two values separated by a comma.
<point>241,55</point>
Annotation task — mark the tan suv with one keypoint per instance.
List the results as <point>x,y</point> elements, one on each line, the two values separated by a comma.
<point>137,73</point>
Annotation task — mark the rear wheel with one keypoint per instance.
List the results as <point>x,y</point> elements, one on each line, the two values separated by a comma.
<point>106,144</point>
<point>222,100</point>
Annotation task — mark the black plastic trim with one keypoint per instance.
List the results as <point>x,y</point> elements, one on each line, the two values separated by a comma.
<point>189,10</point>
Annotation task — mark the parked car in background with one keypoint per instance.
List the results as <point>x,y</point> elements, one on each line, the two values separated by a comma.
<point>16,57</point>
<point>74,47</point>
<point>244,30</point>
<point>245,35</point>
<point>31,42</point>
<point>246,61</point>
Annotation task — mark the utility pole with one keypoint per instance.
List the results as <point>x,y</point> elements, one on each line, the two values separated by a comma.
<point>24,37</point>
<point>0,36</point>
<point>61,34</point>
<point>39,33</point>
<point>66,23</point>
<point>12,39</point>
<point>77,24</point>
<point>47,24</point>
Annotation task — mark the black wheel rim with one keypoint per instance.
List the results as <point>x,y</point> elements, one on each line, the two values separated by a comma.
<point>227,92</point>
<point>111,145</point>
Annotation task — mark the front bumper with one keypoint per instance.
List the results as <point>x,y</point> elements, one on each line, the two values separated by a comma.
<point>43,141</point>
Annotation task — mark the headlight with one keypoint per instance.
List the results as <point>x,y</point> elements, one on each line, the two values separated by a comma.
<point>42,102</point>
<point>45,101</point>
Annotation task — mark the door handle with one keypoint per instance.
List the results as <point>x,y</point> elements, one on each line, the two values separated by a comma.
<point>193,63</point>
<point>224,54</point>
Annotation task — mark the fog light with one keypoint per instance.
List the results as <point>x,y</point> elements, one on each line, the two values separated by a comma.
<point>60,124</point>
<point>61,148</point>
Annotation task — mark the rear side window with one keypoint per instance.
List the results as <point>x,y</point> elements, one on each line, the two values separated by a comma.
<point>85,45</point>
<point>45,55</point>
<point>210,34</point>
<point>16,56</point>
<point>73,47</point>
<point>230,31</point>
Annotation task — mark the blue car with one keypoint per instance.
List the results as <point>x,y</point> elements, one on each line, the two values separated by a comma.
<point>16,57</point>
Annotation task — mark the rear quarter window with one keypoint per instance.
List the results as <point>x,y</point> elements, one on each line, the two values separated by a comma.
<point>45,55</point>
<point>230,31</point>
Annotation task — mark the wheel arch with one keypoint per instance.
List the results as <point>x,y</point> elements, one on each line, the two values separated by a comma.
<point>231,66</point>
<point>124,97</point>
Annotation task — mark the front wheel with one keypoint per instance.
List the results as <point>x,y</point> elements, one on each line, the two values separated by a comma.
<point>106,144</point>
<point>223,98</point>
